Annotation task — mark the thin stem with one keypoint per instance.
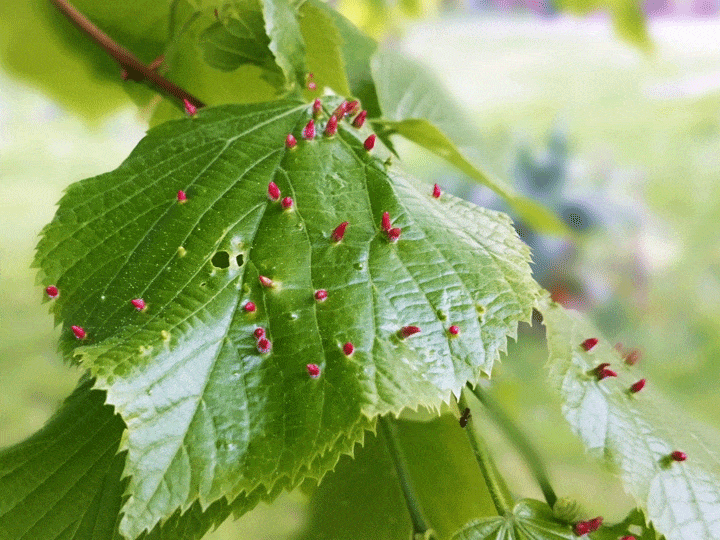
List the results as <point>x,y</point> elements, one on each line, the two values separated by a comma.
<point>522,443</point>
<point>123,57</point>
<point>389,430</point>
<point>496,484</point>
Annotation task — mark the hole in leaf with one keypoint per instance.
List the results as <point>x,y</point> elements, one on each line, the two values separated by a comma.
<point>203,284</point>
<point>239,259</point>
<point>221,259</point>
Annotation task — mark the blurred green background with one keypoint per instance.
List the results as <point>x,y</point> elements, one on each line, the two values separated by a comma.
<point>640,155</point>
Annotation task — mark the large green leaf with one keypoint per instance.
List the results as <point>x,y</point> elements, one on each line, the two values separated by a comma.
<point>286,40</point>
<point>445,477</point>
<point>208,415</point>
<point>65,482</point>
<point>529,520</point>
<point>635,432</point>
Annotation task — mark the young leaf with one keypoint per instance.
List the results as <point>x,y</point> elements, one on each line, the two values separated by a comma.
<point>237,39</point>
<point>210,413</point>
<point>634,431</point>
<point>425,134</point>
<point>286,40</point>
<point>529,520</point>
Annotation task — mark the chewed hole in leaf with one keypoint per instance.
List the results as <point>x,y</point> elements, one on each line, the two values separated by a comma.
<point>240,260</point>
<point>221,259</point>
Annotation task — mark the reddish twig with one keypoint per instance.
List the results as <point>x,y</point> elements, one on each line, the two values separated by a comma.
<point>124,57</point>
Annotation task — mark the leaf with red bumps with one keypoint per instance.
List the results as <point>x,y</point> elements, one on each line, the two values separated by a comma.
<point>204,406</point>
<point>529,520</point>
<point>637,434</point>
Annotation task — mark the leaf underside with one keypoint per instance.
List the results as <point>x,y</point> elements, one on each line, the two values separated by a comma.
<point>635,432</point>
<point>529,520</point>
<point>208,415</point>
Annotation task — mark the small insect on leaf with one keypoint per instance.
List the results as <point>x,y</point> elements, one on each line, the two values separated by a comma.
<point>465,417</point>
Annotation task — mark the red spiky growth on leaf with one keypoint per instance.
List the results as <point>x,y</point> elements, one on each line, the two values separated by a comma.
<point>265,281</point>
<point>352,106</point>
<point>589,343</point>
<point>339,232</point>
<point>250,307</point>
<point>290,141</point>
<point>636,387</point>
<point>287,203</point>
<point>190,109</point>
<point>321,295</point>
<point>369,143</point>
<point>385,224</point>
<point>264,345</point>
<point>317,107</point>
<point>181,196</point>
<point>79,332</point>
<point>603,371</point>
<point>52,291</point>
<point>360,119</point>
<point>436,191</point>
<point>308,131</point>
<point>632,357</point>
<point>393,234</point>
<point>313,370</point>
<point>331,127</point>
<point>139,304</point>
<point>348,348</point>
<point>454,330</point>
<point>273,191</point>
<point>407,331</point>
<point>259,333</point>
<point>677,455</point>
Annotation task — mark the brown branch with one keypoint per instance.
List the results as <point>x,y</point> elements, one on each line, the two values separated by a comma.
<point>134,67</point>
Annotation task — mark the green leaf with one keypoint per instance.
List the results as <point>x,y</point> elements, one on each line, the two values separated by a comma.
<point>428,136</point>
<point>286,40</point>
<point>445,477</point>
<point>323,45</point>
<point>238,38</point>
<point>529,520</point>
<point>635,432</point>
<point>208,415</point>
<point>633,525</point>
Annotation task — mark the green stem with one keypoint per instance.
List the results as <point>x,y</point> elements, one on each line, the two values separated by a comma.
<point>499,492</point>
<point>522,443</point>
<point>389,431</point>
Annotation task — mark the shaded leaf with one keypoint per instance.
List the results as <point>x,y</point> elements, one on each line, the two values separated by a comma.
<point>428,136</point>
<point>529,520</point>
<point>210,416</point>
<point>445,477</point>
<point>635,432</point>
<point>286,40</point>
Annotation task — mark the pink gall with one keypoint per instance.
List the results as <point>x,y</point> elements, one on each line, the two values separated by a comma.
<point>308,132</point>
<point>259,333</point>
<point>636,387</point>
<point>266,282</point>
<point>454,330</point>
<point>52,291</point>
<point>331,127</point>
<point>79,332</point>
<point>385,223</point>
<point>348,348</point>
<point>393,234</point>
<point>317,108</point>
<point>264,345</point>
<point>581,528</point>
<point>359,119</point>
<point>339,233</point>
<point>369,143</point>
<point>407,331</point>
<point>677,455</point>
<point>312,86</point>
<point>287,203</point>
<point>273,191</point>
<point>181,196</point>
<point>313,370</point>
<point>250,307</point>
<point>290,141</point>
<point>190,109</point>
<point>321,295</point>
<point>351,106</point>
<point>436,192</point>
<point>595,523</point>
<point>589,343</point>
<point>139,304</point>
<point>632,357</point>
<point>628,537</point>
